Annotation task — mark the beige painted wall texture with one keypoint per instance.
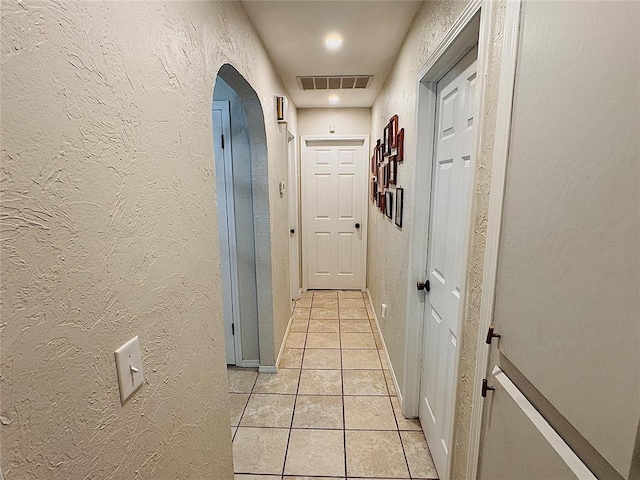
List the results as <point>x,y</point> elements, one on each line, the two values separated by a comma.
<point>388,245</point>
<point>347,121</point>
<point>109,230</point>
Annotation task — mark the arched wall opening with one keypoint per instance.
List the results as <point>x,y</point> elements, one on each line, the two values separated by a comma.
<point>240,150</point>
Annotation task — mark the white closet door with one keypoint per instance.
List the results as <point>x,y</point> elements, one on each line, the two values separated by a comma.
<point>448,220</point>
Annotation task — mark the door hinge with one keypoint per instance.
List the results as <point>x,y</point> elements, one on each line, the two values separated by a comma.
<point>222,137</point>
<point>233,329</point>
<point>486,388</point>
<point>491,335</point>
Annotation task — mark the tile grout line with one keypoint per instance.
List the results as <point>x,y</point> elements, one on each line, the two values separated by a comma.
<point>297,394</point>
<point>244,409</point>
<point>295,401</point>
<point>330,428</point>
<point>341,349</point>
<point>344,416</point>
<point>404,452</point>
<point>242,415</point>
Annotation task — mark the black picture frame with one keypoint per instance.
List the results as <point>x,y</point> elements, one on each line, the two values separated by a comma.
<point>392,170</point>
<point>388,204</point>
<point>399,205</point>
<point>387,140</point>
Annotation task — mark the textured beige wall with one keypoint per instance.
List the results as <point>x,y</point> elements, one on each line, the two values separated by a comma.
<point>347,121</point>
<point>388,245</point>
<point>571,216</point>
<point>109,230</point>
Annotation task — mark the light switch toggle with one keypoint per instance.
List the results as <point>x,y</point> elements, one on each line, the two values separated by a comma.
<point>129,367</point>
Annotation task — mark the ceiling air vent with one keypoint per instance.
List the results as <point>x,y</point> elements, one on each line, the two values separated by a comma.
<point>335,82</point>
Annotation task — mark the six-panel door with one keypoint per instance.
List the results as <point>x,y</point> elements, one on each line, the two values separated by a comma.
<point>334,203</point>
<point>449,217</point>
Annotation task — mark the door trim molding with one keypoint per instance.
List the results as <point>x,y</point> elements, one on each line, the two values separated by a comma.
<point>430,68</point>
<point>230,225</point>
<point>496,201</point>
<point>304,139</point>
<point>445,56</point>
<point>294,263</point>
<point>457,42</point>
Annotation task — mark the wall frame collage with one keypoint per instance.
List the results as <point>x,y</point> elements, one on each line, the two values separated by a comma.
<point>388,152</point>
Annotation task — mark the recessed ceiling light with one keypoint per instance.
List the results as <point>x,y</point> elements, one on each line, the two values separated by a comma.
<point>333,99</point>
<point>333,41</point>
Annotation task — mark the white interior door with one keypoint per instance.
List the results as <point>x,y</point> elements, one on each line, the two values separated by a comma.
<point>294,252</point>
<point>226,228</point>
<point>454,144</point>
<point>334,201</point>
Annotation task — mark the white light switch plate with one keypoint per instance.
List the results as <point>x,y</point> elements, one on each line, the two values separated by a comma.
<point>129,366</point>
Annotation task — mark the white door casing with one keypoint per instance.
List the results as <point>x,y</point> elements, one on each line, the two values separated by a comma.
<point>294,231</point>
<point>226,230</point>
<point>451,181</point>
<point>334,212</point>
<point>472,27</point>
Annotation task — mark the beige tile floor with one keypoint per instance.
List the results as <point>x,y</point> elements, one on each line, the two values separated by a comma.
<point>331,411</point>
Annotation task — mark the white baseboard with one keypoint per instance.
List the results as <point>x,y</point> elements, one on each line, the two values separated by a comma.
<point>267,369</point>
<point>386,352</point>
<point>274,368</point>
<point>284,342</point>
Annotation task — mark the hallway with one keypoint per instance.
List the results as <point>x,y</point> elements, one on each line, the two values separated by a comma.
<point>333,390</point>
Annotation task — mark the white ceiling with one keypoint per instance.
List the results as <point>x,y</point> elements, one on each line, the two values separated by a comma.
<point>293,33</point>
